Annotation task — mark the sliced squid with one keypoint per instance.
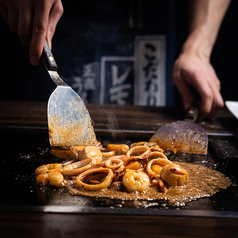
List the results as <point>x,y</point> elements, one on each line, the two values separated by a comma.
<point>107,153</point>
<point>64,154</point>
<point>120,149</point>
<point>107,180</point>
<point>71,153</point>
<point>138,151</point>
<point>160,184</point>
<point>78,167</point>
<point>155,166</point>
<point>156,148</point>
<point>143,143</point>
<point>155,155</point>
<point>113,163</point>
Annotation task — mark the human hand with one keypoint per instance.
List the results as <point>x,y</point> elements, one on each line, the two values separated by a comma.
<point>194,72</point>
<point>33,21</point>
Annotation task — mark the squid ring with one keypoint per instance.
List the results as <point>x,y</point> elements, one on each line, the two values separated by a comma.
<point>143,143</point>
<point>155,155</point>
<point>92,187</point>
<point>138,151</point>
<point>78,167</point>
<point>155,172</point>
<point>107,153</point>
<point>113,163</point>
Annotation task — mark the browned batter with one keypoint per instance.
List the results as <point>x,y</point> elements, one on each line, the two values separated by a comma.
<point>203,182</point>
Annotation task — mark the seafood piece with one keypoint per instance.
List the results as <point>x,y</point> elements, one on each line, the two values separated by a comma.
<point>99,144</point>
<point>64,154</point>
<point>138,151</point>
<point>143,143</point>
<point>134,165</point>
<point>135,180</point>
<point>156,148</point>
<point>116,185</point>
<point>124,158</point>
<point>78,148</point>
<point>78,167</point>
<point>155,155</point>
<point>174,175</point>
<point>42,179</point>
<point>107,153</point>
<point>46,168</point>
<point>91,152</point>
<point>118,175</point>
<point>160,184</point>
<point>120,149</point>
<point>99,172</point>
<point>113,163</point>
<point>71,153</point>
<point>54,178</point>
<point>134,162</point>
<point>154,167</point>
<point>97,165</point>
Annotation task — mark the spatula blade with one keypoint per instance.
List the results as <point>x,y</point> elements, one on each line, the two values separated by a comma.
<point>182,136</point>
<point>69,121</point>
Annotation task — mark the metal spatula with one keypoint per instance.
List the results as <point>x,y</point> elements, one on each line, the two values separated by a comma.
<point>182,136</point>
<point>69,121</point>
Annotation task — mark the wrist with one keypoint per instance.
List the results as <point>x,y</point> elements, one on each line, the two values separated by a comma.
<point>198,44</point>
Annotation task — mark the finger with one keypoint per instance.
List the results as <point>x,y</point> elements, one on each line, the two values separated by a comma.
<point>215,109</point>
<point>200,82</point>
<point>206,96</point>
<point>218,102</point>
<point>55,14</point>
<point>40,23</point>
<point>3,11</point>
<point>25,23</point>
<point>12,19</point>
<point>183,88</point>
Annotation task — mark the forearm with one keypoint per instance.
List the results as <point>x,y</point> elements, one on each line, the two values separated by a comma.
<point>204,22</point>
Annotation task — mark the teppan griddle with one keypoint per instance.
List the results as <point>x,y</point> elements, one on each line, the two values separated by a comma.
<point>22,150</point>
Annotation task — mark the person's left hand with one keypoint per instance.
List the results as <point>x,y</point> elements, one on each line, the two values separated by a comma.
<point>193,72</point>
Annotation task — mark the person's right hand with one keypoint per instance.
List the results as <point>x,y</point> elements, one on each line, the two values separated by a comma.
<point>33,21</point>
<point>191,71</point>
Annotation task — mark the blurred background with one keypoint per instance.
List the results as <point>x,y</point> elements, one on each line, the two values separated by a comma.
<point>109,52</point>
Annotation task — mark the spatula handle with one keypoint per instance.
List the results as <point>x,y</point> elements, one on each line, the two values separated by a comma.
<point>192,113</point>
<point>48,58</point>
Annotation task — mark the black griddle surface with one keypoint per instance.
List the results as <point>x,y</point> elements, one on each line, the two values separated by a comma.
<point>22,150</point>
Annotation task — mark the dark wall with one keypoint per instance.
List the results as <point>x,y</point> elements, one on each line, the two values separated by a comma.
<point>224,56</point>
